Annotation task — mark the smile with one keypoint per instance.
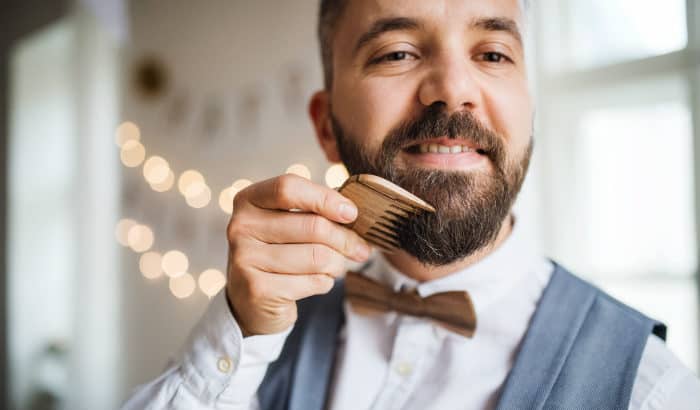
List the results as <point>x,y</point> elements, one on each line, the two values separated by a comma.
<point>446,153</point>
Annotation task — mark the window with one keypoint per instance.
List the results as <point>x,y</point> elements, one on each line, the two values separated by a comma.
<point>617,102</point>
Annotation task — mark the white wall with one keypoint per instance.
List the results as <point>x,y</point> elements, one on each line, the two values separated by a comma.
<point>216,53</point>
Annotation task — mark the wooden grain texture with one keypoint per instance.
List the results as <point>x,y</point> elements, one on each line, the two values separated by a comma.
<point>382,208</point>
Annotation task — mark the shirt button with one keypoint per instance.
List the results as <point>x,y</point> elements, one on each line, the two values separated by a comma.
<point>224,365</point>
<point>404,368</point>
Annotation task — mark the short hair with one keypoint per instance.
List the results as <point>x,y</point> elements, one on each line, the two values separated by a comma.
<point>329,13</point>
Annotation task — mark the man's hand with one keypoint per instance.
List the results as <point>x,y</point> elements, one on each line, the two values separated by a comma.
<point>286,243</point>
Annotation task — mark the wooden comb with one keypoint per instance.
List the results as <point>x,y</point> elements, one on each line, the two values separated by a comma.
<point>382,208</point>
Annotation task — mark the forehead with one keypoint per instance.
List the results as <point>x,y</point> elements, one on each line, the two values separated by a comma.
<point>361,13</point>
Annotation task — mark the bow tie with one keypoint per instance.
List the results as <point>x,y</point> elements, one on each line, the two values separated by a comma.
<point>452,310</point>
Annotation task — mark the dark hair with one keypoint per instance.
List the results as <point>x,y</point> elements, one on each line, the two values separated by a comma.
<point>328,16</point>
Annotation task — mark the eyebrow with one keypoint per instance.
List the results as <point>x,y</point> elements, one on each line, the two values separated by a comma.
<point>501,24</point>
<point>385,25</point>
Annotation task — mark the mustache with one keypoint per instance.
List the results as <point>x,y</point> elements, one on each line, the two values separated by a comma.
<point>435,122</point>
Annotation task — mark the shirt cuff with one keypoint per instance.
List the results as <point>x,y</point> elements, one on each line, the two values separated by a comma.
<point>219,364</point>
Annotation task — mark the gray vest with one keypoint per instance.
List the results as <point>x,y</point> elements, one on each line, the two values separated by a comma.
<point>582,351</point>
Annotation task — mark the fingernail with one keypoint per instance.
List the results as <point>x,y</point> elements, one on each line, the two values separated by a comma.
<point>348,212</point>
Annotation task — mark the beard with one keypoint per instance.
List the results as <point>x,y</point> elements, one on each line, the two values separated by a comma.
<point>470,206</point>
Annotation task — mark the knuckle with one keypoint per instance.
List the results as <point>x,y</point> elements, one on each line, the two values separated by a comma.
<point>282,187</point>
<point>238,259</point>
<point>320,257</point>
<point>326,200</point>
<point>239,226</point>
<point>318,227</point>
<point>348,243</point>
<point>234,228</point>
<point>239,199</point>
<point>322,283</point>
<point>256,289</point>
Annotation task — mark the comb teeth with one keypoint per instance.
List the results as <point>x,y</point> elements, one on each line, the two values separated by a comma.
<point>385,244</point>
<point>383,208</point>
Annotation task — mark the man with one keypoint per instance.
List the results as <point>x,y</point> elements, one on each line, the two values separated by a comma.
<point>432,95</point>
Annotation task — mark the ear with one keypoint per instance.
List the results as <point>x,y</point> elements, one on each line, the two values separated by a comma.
<point>320,113</point>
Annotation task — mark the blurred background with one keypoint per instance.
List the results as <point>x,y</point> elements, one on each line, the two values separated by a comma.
<point>126,128</point>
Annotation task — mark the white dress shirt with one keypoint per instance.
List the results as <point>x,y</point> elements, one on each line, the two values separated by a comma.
<point>394,361</point>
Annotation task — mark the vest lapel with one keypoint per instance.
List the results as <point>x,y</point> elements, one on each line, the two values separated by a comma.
<point>317,351</point>
<point>563,308</point>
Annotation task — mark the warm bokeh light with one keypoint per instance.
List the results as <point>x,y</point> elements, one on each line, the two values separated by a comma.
<point>122,231</point>
<point>227,195</point>
<point>165,185</point>
<point>299,169</point>
<point>226,200</point>
<point>211,281</point>
<point>156,170</point>
<point>336,175</point>
<point>140,238</point>
<point>132,154</point>
<point>182,286</point>
<point>201,200</point>
<point>127,131</point>
<point>187,178</point>
<point>240,185</point>
<point>195,189</point>
<point>175,263</point>
<point>150,265</point>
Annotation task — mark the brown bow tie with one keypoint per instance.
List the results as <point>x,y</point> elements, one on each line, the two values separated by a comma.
<point>453,310</point>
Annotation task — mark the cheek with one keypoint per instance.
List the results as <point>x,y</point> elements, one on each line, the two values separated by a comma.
<point>511,109</point>
<point>369,108</point>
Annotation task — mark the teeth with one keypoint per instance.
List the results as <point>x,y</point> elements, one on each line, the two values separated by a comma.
<point>444,149</point>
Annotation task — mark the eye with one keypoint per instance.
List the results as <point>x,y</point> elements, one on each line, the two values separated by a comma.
<point>393,57</point>
<point>495,57</point>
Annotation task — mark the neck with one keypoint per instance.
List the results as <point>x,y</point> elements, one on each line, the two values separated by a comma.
<point>412,267</point>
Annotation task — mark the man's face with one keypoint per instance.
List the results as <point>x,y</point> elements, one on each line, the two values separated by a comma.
<point>448,75</point>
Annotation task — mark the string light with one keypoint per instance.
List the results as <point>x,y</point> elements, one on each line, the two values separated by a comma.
<point>140,238</point>
<point>182,286</point>
<point>165,185</point>
<point>192,185</point>
<point>299,169</point>
<point>122,231</point>
<point>336,175</point>
<point>150,265</point>
<point>200,200</point>
<point>175,263</point>
<point>127,131</point>
<point>227,195</point>
<point>156,170</point>
<point>211,281</point>
<point>188,178</point>
<point>132,153</point>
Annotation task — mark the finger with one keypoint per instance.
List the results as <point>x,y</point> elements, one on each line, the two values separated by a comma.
<point>289,227</point>
<point>291,191</point>
<point>299,259</point>
<point>295,287</point>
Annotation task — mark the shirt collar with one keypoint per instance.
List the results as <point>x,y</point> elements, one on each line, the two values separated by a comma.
<point>486,281</point>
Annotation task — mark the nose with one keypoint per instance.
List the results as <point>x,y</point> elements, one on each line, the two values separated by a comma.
<point>451,84</point>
